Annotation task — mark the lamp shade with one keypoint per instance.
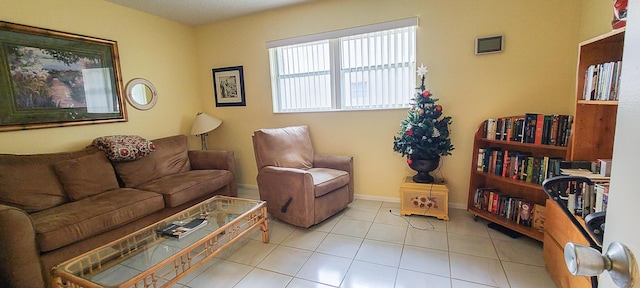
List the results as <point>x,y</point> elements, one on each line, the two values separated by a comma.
<point>204,123</point>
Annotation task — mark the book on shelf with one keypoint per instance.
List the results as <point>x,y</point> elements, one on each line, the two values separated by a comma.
<point>489,129</point>
<point>584,173</point>
<point>528,175</point>
<point>602,197</point>
<point>530,122</point>
<point>480,160</point>
<point>499,161</point>
<point>538,217</point>
<point>539,129</point>
<point>515,209</point>
<point>601,81</point>
<point>180,229</point>
<point>517,165</point>
<point>603,167</point>
<point>553,134</point>
<point>506,163</point>
<point>508,129</point>
<point>583,199</point>
<point>525,213</point>
<point>532,128</point>
<point>518,129</point>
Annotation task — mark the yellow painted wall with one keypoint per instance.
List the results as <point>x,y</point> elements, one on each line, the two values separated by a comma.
<point>150,47</point>
<point>595,18</point>
<point>535,73</point>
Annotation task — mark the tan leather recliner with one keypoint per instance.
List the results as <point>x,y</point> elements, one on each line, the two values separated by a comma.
<point>301,188</point>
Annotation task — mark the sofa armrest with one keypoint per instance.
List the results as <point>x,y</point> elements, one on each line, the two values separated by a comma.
<point>214,159</point>
<point>289,194</point>
<point>19,251</point>
<point>338,162</point>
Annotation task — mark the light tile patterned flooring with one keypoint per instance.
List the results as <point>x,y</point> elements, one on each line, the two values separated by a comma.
<point>367,246</point>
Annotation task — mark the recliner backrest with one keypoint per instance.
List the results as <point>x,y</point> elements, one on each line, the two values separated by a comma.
<point>283,147</point>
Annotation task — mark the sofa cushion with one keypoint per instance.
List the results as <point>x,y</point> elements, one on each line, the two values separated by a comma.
<point>29,182</point>
<point>284,147</point>
<point>75,221</point>
<point>86,176</point>
<point>170,157</point>
<point>183,187</point>
<point>326,180</point>
<point>124,147</point>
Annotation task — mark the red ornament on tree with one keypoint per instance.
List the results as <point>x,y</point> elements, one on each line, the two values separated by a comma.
<point>426,94</point>
<point>438,108</point>
<point>409,161</point>
<point>409,132</point>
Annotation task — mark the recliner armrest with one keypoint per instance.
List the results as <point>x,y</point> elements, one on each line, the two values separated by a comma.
<point>289,194</point>
<point>338,162</point>
<point>19,250</point>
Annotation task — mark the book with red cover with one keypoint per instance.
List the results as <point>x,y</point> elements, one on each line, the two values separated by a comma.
<point>539,129</point>
<point>506,163</point>
<point>509,127</point>
<point>496,203</point>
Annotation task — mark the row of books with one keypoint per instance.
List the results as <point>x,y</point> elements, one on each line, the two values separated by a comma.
<point>515,209</point>
<point>582,199</point>
<point>517,165</point>
<point>601,81</point>
<point>531,128</point>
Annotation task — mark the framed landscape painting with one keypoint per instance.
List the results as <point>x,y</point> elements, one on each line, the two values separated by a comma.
<point>228,86</point>
<point>51,79</point>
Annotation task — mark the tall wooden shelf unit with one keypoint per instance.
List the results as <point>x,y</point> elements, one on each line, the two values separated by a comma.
<point>592,138</point>
<point>510,187</point>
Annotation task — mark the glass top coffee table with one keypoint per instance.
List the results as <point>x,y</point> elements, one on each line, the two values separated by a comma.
<point>146,258</point>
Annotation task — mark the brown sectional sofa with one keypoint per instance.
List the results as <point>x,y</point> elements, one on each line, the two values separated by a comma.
<point>59,205</point>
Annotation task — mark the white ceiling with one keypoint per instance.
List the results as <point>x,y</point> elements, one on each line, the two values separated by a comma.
<point>198,12</point>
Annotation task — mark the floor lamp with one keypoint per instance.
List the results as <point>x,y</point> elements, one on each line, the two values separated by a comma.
<point>203,124</point>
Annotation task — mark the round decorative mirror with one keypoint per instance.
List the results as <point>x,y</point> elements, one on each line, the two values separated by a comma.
<point>141,94</point>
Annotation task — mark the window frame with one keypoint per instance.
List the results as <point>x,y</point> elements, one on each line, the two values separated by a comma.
<point>333,39</point>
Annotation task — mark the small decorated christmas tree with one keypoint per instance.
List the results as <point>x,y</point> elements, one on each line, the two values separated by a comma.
<point>424,134</point>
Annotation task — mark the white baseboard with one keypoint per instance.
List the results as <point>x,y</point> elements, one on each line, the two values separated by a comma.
<point>369,197</point>
<point>397,200</point>
<point>458,206</point>
<point>248,186</point>
<point>377,198</point>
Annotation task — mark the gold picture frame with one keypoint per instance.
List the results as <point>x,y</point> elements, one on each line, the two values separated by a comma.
<point>53,79</point>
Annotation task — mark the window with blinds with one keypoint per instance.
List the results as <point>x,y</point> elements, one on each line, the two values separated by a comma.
<point>369,67</point>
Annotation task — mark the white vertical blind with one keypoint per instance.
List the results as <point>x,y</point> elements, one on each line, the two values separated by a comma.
<point>370,70</point>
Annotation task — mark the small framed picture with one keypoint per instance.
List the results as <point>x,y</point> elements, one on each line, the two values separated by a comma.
<point>228,86</point>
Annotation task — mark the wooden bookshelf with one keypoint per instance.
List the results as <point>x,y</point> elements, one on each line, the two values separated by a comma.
<point>510,187</point>
<point>592,138</point>
<point>595,121</point>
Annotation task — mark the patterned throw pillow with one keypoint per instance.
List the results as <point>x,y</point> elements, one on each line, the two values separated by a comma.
<point>120,148</point>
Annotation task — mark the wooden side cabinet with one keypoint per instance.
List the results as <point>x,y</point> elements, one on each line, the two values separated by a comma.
<point>429,199</point>
<point>558,231</point>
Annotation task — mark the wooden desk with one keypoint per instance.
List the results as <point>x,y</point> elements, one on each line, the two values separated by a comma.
<point>429,199</point>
